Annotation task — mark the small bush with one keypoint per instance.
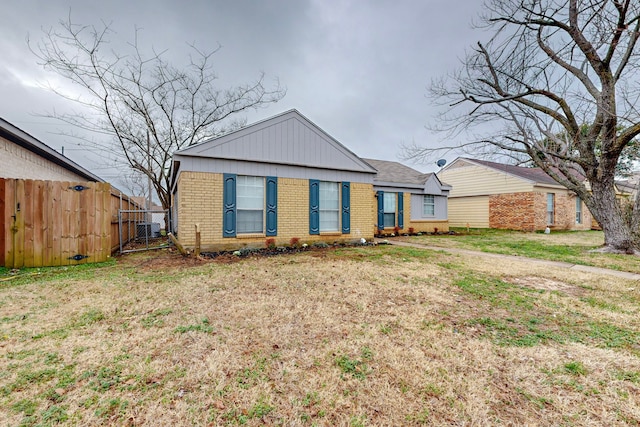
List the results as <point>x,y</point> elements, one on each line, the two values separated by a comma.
<point>270,243</point>
<point>294,242</point>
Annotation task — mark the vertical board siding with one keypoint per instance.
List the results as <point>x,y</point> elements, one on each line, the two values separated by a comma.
<point>286,140</point>
<point>47,223</point>
<point>5,221</point>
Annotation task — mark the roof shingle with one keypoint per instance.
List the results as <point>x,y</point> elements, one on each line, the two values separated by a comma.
<point>389,171</point>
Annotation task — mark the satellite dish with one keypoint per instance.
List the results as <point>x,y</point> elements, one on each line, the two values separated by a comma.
<point>440,163</point>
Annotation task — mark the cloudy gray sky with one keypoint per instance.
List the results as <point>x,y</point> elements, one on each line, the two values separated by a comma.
<point>358,69</point>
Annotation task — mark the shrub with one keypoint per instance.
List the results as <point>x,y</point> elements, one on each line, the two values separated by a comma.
<point>270,243</point>
<point>411,230</point>
<point>294,242</point>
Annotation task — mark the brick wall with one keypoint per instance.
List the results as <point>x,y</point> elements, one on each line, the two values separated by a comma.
<point>200,202</point>
<point>513,211</point>
<point>18,162</point>
<point>527,211</point>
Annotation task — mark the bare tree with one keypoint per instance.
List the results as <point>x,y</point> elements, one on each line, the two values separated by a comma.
<point>557,85</point>
<point>145,106</point>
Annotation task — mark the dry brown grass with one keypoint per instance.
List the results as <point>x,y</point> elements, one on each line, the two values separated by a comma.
<point>361,336</point>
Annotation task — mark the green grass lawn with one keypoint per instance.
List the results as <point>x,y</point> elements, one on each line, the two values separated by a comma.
<point>576,247</point>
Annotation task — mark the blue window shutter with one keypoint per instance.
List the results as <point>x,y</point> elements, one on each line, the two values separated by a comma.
<point>229,205</point>
<point>380,195</point>
<point>400,209</point>
<point>346,207</point>
<point>272,206</point>
<point>314,206</point>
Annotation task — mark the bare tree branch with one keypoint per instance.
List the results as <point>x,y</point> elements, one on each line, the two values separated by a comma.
<point>129,96</point>
<point>556,85</point>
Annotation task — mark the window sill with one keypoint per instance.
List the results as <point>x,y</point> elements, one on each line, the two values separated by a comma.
<point>250,236</point>
<point>331,233</point>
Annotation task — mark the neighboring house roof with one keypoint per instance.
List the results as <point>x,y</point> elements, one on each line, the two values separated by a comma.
<point>23,139</point>
<point>536,175</point>
<point>288,138</point>
<point>627,186</point>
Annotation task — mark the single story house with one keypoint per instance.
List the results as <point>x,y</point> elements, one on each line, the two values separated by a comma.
<point>284,179</point>
<point>495,195</point>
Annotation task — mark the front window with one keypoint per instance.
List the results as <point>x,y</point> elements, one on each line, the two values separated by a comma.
<point>551,203</point>
<point>389,210</point>
<point>250,204</point>
<point>329,206</point>
<point>428,205</point>
<point>578,210</point>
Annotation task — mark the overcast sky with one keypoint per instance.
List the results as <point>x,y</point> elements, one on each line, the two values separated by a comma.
<point>358,69</point>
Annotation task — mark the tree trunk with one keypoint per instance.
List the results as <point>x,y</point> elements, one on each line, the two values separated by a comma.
<point>618,235</point>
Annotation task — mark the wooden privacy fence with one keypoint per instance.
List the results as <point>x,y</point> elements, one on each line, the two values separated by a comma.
<point>121,202</point>
<point>52,223</point>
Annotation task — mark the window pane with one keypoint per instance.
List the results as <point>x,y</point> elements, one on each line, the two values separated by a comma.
<point>428,205</point>
<point>250,204</point>
<point>389,203</point>
<point>578,210</point>
<point>329,220</point>
<point>329,195</point>
<point>249,221</point>
<point>250,192</point>
<point>329,206</point>
<point>389,220</point>
<point>550,207</point>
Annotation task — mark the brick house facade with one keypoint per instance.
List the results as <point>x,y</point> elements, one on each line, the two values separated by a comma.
<point>199,202</point>
<point>527,211</point>
<point>493,195</point>
<point>285,178</point>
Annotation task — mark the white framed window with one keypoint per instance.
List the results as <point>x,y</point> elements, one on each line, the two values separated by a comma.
<point>389,210</point>
<point>578,210</point>
<point>428,205</point>
<point>329,206</point>
<point>250,204</point>
<point>551,208</point>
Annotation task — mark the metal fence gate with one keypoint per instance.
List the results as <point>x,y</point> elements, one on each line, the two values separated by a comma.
<point>143,230</point>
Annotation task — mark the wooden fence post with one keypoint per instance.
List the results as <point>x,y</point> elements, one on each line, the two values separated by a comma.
<point>197,249</point>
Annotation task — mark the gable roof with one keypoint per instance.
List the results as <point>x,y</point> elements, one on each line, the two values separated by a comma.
<point>396,174</point>
<point>288,138</point>
<point>19,137</point>
<point>535,175</point>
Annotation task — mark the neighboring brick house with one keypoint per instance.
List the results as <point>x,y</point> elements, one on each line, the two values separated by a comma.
<point>24,157</point>
<point>408,199</point>
<point>282,178</point>
<point>494,195</point>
